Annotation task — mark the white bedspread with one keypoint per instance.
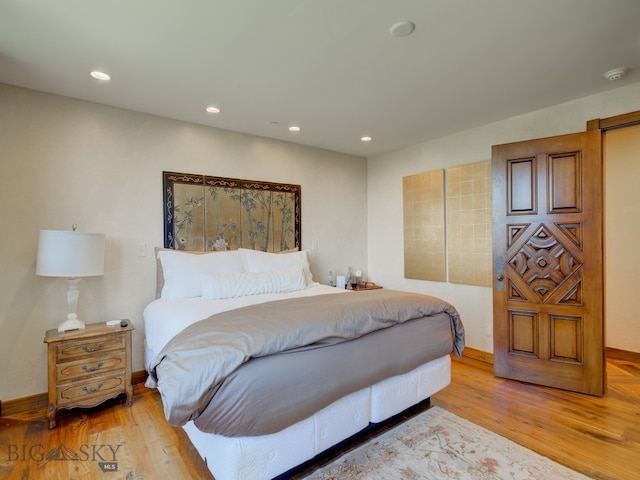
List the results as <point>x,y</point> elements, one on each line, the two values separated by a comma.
<point>163,319</point>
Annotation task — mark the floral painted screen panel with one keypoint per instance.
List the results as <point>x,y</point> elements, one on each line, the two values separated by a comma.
<point>204,213</point>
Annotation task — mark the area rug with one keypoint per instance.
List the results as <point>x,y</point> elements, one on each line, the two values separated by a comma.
<point>437,444</point>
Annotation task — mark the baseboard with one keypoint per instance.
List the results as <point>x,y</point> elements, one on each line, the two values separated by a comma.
<point>139,377</point>
<point>479,355</point>
<point>622,354</point>
<point>24,404</point>
<point>40,400</point>
<point>610,352</point>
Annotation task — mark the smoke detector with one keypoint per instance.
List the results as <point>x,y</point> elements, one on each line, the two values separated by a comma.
<point>616,74</point>
<point>402,29</point>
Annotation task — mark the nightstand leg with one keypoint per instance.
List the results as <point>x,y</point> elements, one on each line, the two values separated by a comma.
<point>51,416</point>
<point>129,395</point>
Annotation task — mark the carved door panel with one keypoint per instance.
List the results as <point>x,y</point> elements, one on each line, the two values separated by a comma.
<point>548,264</point>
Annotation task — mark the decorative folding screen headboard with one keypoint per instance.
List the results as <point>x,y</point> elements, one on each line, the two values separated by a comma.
<point>204,213</point>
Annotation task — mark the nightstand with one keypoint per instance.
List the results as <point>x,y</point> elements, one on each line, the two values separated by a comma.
<point>87,367</point>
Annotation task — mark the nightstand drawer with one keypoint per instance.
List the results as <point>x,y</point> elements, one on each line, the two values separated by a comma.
<point>90,346</point>
<point>101,388</point>
<point>92,366</point>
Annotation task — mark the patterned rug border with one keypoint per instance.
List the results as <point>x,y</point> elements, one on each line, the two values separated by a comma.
<point>437,444</point>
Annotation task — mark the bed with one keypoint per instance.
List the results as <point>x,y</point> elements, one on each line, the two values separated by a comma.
<point>265,369</point>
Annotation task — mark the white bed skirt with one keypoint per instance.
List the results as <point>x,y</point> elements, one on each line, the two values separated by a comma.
<point>267,456</point>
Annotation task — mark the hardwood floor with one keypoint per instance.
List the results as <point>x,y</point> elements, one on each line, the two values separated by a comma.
<point>599,437</point>
<point>136,439</point>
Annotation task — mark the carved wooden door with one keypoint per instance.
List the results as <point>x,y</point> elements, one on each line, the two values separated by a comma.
<point>548,264</point>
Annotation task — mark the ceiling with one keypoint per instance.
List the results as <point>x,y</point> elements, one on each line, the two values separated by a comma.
<point>332,67</point>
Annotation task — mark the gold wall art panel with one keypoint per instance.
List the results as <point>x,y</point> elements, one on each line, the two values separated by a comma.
<point>456,248</point>
<point>205,213</point>
<point>424,228</point>
<point>469,230</point>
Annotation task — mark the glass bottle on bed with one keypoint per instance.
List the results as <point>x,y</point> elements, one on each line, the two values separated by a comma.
<point>348,277</point>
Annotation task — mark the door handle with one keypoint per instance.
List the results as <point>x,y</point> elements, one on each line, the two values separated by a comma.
<point>499,273</point>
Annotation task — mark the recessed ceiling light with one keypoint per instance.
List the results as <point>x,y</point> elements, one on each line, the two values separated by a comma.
<point>402,29</point>
<point>212,109</point>
<point>366,138</point>
<point>100,75</point>
<point>294,128</point>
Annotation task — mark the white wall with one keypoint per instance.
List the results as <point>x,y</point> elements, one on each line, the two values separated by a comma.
<point>385,172</point>
<point>66,161</point>
<point>622,268</point>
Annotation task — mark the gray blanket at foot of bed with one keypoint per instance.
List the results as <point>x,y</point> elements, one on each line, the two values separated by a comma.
<point>194,365</point>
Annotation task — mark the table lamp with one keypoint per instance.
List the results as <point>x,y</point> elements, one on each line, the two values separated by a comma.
<point>72,255</point>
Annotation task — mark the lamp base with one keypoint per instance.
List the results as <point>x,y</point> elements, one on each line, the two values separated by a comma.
<point>71,324</point>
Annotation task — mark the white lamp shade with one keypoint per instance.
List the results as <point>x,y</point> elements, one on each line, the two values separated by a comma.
<point>70,254</point>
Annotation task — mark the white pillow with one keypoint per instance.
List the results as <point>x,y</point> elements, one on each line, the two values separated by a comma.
<point>233,285</point>
<point>182,271</point>
<point>258,261</point>
<point>227,261</point>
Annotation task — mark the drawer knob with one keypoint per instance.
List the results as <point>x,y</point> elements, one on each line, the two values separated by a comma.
<point>92,390</point>
<point>92,369</point>
<point>92,349</point>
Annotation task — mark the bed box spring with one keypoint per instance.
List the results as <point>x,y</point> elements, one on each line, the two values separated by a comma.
<point>267,456</point>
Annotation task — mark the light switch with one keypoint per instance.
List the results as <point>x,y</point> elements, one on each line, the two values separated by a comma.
<point>142,250</point>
